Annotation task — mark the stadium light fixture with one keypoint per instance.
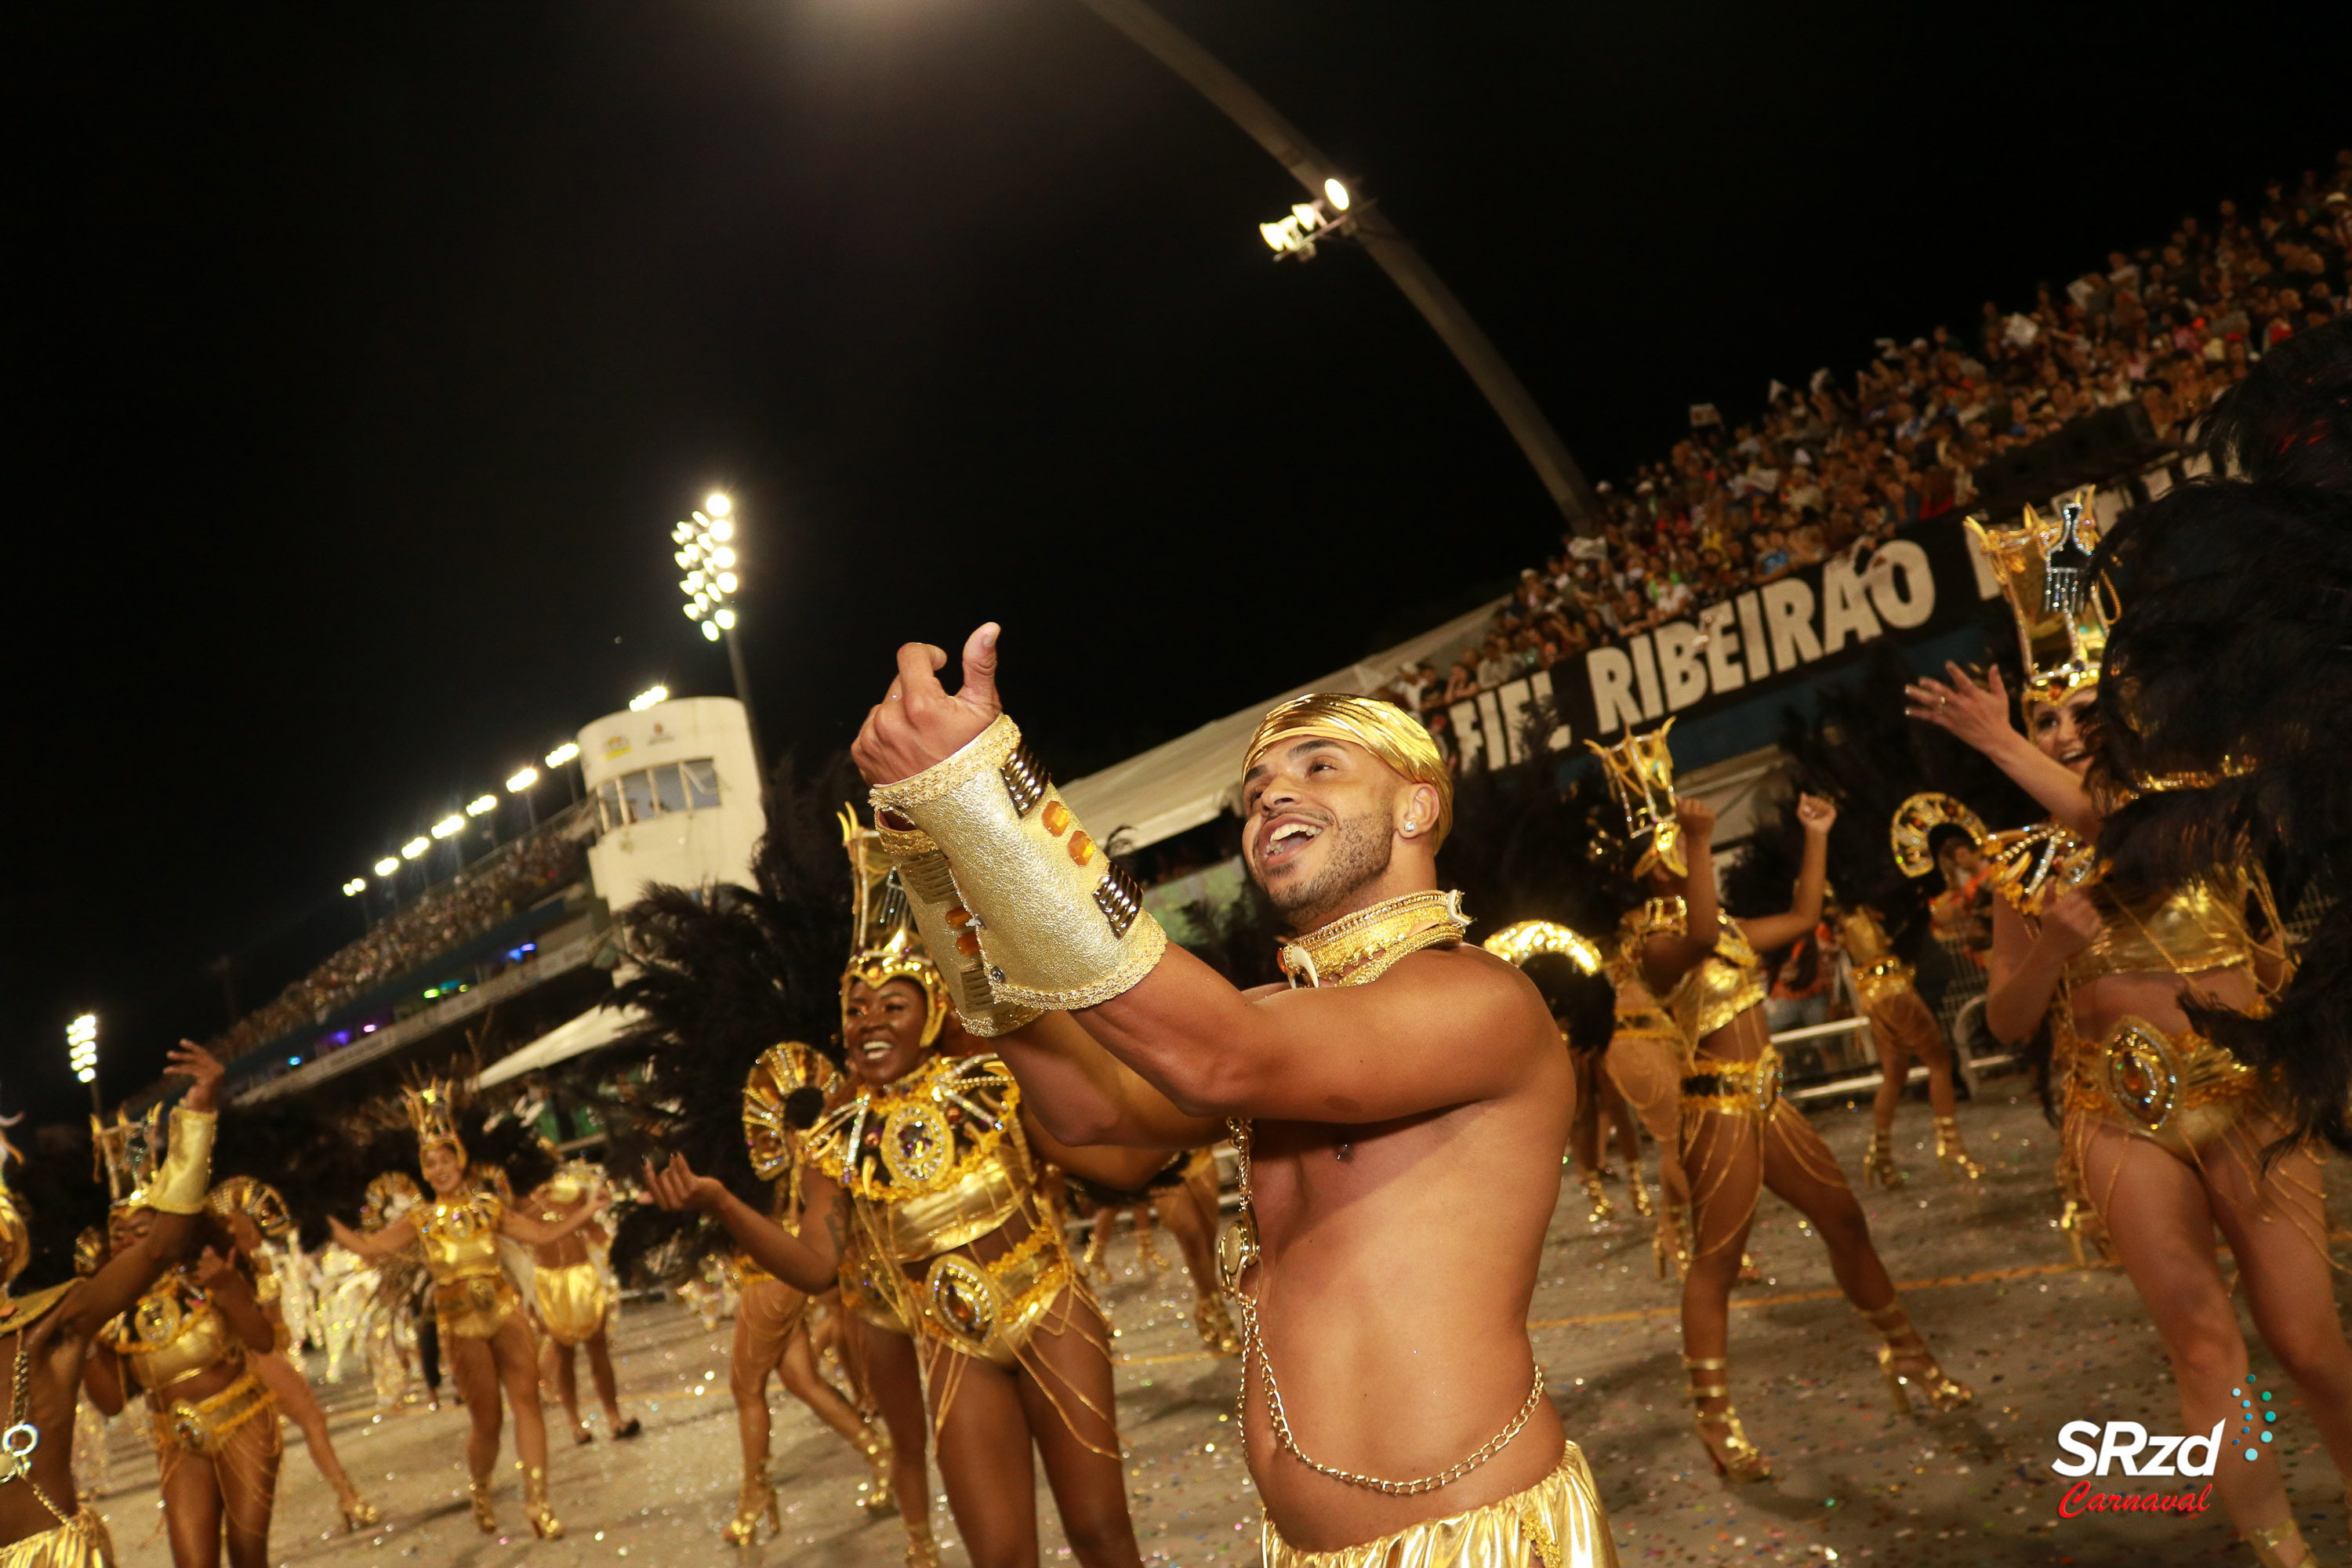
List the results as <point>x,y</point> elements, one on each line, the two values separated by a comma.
<point>481,803</point>
<point>1308,222</point>
<point>386,866</point>
<point>81,1052</point>
<point>522,781</point>
<point>705,554</point>
<point>648,698</point>
<point>413,848</point>
<point>448,825</point>
<point>562,754</point>
<point>355,887</point>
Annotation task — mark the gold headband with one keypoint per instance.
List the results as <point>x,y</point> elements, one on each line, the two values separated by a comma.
<point>1526,939</point>
<point>1384,728</point>
<point>1915,821</point>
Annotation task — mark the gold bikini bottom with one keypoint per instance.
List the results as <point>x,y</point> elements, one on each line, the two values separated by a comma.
<point>572,1301</point>
<point>202,1426</point>
<point>2180,1091</point>
<point>988,1307</point>
<point>1733,1089</point>
<point>475,1306</point>
<point>80,1542</point>
<point>1556,1522</point>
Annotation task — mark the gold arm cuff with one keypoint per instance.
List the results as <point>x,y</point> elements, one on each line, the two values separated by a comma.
<point>929,885</point>
<point>1058,926</point>
<point>180,1186</point>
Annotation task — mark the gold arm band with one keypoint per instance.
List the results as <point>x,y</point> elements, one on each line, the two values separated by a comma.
<point>1058,926</point>
<point>179,1188</point>
<point>948,933</point>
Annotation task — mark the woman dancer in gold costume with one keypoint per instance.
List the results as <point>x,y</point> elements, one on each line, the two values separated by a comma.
<point>1738,1136</point>
<point>49,1337</point>
<point>1902,1030</point>
<point>570,1299</point>
<point>254,1214</point>
<point>772,1330</point>
<point>931,1166</point>
<point>2169,1134</point>
<point>483,1332</point>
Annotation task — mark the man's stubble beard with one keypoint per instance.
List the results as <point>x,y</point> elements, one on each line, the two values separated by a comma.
<point>1359,853</point>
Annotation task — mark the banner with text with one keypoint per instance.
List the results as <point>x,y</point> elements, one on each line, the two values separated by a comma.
<point>1926,581</point>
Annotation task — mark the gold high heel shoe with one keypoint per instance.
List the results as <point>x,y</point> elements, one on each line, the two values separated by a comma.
<point>1603,1211</point>
<point>758,1497</point>
<point>880,1500</point>
<point>486,1518</point>
<point>1216,1325</point>
<point>1929,1383</point>
<point>2270,1546</point>
<point>543,1522</point>
<point>1147,1254</point>
<point>1878,1162</point>
<point>1096,1265</point>
<point>1734,1457</point>
<point>1953,1154</point>
<point>922,1551</point>
<point>1641,1192</point>
<point>358,1513</point>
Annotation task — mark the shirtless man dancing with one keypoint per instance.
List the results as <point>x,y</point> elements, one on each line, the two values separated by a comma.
<point>1401,1107</point>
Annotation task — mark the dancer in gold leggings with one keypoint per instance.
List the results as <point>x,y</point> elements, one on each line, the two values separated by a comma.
<point>483,1332</point>
<point>771,1321</point>
<point>1738,1135</point>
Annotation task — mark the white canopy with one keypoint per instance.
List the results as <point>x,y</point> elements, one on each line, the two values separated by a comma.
<point>597,1028</point>
<point>1159,794</point>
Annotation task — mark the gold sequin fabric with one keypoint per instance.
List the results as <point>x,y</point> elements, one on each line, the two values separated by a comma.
<point>2180,1091</point>
<point>80,1542</point>
<point>2196,928</point>
<point>1717,989</point>
<point>572,1301</point>
<point>472,1296</point>
<point>174,1333</point>
<point>1557,1523</point>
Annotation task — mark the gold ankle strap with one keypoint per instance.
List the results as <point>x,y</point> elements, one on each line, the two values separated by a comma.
<point>1887,1317</point>
<point>2269,1544</point>
<point>1703,1363</point>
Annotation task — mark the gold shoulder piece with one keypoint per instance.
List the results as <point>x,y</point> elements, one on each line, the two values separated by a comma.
<point>2031,866</point>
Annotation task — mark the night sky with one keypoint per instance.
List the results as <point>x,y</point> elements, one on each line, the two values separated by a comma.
<point>364,355</point>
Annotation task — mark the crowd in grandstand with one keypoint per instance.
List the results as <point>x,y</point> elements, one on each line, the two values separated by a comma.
<point>476,898</point>
<point>1824,470</point>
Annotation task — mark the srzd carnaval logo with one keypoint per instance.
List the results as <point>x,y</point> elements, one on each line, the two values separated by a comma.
<point>2143,1453</point>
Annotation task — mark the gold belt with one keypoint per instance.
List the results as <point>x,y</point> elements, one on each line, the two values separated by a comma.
<point>2170,1087</point>
<point>201,1426</point>
<point>985,1307</point>
<point>1735,1089</point>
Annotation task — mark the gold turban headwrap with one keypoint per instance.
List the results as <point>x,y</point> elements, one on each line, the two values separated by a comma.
<point>1384,728</point>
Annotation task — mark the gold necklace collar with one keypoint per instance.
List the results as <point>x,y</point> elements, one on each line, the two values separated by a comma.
<point>1357,949</point>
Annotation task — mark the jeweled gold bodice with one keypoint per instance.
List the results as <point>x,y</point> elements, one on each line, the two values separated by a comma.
<point>1638,1011</point>
<point>934,1161</point>
<point>172,1333</point>
<point>2194,928</point>
<point>1717,989</point>
<point>460,1235</point>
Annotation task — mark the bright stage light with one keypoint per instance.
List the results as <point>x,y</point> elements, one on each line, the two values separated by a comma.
<point>451,824</point>
<point>1337,194</point>
<point>81,1047</point>
<point>355,886</point>
<point>386,866</point>
<point>722,531</point>
<point>413,848</point>
<point>481,803</point>
<point>646,699</point>
<point>717,505</point>
<point>726,619</point>
<point>522,781</point>
<point>710,629</point>
<point>562,754</point>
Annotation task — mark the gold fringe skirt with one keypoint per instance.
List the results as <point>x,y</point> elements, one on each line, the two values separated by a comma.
<point>1557,1523</point>
<point>80,1542</point>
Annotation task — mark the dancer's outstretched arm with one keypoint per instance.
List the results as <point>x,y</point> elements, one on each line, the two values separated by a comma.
<point>809,1261</point>
<point>1979,716</point>
<point>1771,931</point>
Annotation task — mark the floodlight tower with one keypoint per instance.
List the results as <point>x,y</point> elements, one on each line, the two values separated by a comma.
<point>706,550</point>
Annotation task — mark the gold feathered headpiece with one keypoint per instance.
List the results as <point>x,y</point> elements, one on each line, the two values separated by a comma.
<point>779,1073</point>
<point>1640,771</point>
<point>256,1201</point>
<point>884,944</point>
<point>128,1154</point>
<point>432,1107</point>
